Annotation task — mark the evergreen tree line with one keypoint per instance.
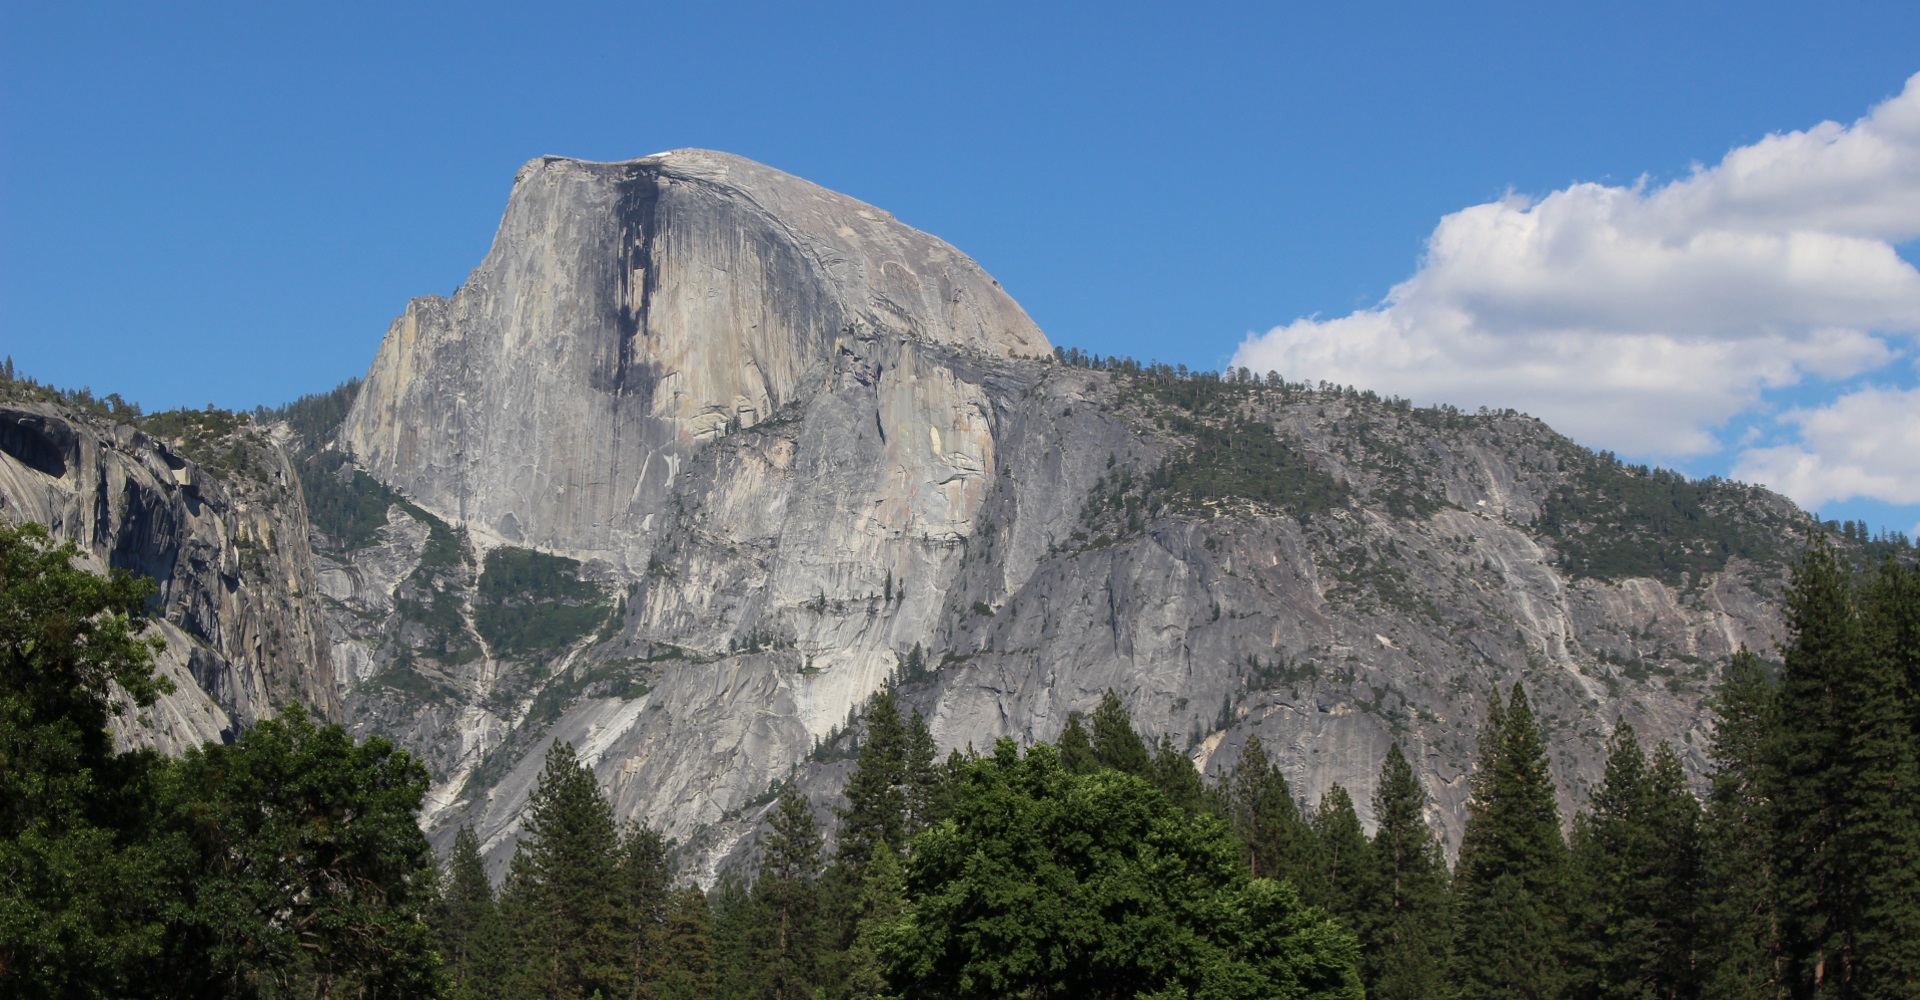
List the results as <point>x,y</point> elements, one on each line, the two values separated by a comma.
<point>1797,876</point>
<point>289,864</point>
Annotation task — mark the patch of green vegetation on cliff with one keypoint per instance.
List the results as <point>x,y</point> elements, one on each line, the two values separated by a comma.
<point>406,680</point>
<point>347,505</point>
<point>18,388</point>
<point>530,602</point>
<point>1245,460</point>
<point>626,679</point>
<point>1612,521</point>
<point>431,595</point>
<point>315,417</point>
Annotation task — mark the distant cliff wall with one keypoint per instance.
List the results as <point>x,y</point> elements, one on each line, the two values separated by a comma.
<point>230,554</point>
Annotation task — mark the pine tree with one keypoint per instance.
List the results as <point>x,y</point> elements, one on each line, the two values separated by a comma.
<point>1512,866</point>
<point>1342,863</point>
<point>1810,884</point>
<point>685,969</point>
<point>1880,832</point>
<point>563,903</point>
<point>926,784</point>
<point>1847,837</point>
<point>1115,743</point>
<point>875,816</point>
<point>1675,821</point>
<point>1176,776</point>
<point>1615,883</point>
<point>1405,920</point>
<point>646,880</point>
<point>1884,755</point>
<point>1277,838</point>
<point>466,925</point>
<point>1739,928</point>
<point>788,897</point>
<point>881,900</point>
<point>1076,748</point>
<point>738,933</point>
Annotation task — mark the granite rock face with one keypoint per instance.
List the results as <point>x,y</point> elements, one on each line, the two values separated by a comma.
<point>229,552</point>
<point>629,312</point>
<point>781,440</point>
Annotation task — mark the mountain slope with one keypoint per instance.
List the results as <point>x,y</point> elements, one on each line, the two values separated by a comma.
<point>738,445</point>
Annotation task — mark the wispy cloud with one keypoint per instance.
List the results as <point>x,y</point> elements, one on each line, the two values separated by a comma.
<point>1644,318</point>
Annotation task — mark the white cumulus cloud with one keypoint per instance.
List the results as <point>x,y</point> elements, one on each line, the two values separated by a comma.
<point>1864,444</point>
<point>1643,318</point>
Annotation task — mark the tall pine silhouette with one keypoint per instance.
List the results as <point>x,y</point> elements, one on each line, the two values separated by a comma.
<point>1632,879</point>
<point>1406,921</point>
<point>562,901</point>
<point>1844,790</point>
<point>1512,866</point>
<point>1278,840</point>
<point>1739,926</point>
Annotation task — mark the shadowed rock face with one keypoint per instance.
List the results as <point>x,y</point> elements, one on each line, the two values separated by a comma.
<point>230,555</point>
<point>630,311</point>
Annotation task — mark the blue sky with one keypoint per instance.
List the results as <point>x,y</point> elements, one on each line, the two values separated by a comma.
<point>205,203</point>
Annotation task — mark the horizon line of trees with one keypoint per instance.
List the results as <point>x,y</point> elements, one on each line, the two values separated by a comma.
<point>290,863</point>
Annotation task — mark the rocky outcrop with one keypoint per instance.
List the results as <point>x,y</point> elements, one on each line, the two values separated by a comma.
<point>229,553</point>
<point>789,440</point>
<point>629,312</point>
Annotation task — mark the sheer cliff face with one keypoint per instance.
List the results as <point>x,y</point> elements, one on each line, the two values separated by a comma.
<point>229,553</point>
<point>790,440</point>
<point>629,312</point>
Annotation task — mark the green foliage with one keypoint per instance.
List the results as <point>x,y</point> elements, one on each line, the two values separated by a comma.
<point>1846,846</point>
<point>1240,459</point>
<point>1277,841</point>
<point>287,860</point>
<point>1048,883</point>
<point>18,388</point>
<point>737,925</point>
<point>1076,747</point>
<point>1405,927</point>
<point>77,871</point>
<point>914,669</point>
<point>875,816</point>
<point>301,861</point>
<point>529,602</point>
<point>1342,860</point>
<point>684,967</point>
<point>1612,521</point>
<point>1115,743</point>
<point>465,923</point>
<point>316,417</point>
<point>212,438</point>
<point>646,880</point>
<point>1632,878</point>
<point>1174,774</point>
<point>927,790</point>
<point>563,900</point>
<point>1509,884</point>
<point>787,942</point>
<point>348,506</point>
<point>1738,919</point>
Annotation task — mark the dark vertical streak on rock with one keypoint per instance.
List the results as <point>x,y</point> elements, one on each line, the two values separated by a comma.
<point>637,226</point>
